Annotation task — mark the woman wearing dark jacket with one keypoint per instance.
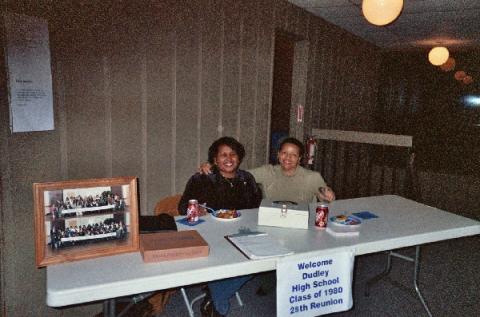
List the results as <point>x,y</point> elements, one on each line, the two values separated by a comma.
<point>218,192</point>
<point>227,187</point>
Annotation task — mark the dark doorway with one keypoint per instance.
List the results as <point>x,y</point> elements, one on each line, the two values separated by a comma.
<point>282,91</point>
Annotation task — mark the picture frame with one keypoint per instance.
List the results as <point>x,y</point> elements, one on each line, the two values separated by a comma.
<point>82,219</point>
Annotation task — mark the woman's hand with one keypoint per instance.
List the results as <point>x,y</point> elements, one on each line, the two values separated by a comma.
<point>326,194</point>
<point>205,168</point>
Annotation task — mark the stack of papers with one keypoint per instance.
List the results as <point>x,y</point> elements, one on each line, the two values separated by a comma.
<point>258,245</point>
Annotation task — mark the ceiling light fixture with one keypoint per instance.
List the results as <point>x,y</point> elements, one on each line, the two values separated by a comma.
<point>448,65</point>
<point>438,55</point>
<point>460,75</point>
<point>467,80</point>
<point>381,12</point>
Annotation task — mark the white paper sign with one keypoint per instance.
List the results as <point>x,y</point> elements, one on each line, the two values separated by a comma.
<point>313,286</point>
<point>29,73</point>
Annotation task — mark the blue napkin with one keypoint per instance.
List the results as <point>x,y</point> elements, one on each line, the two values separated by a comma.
<point>184,221</point>
<point>365,215</point>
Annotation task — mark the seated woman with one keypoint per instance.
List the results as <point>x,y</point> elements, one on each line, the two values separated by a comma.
<point>226,187</point>
<point>288,180</point>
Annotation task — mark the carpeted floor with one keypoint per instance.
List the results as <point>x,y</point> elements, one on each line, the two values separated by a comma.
<point>449,280</point>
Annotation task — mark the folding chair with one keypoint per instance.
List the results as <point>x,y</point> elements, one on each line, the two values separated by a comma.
<point>189,303</point>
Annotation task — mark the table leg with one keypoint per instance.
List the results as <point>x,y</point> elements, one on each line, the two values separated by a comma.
<point>109,308</point>
<point>105,308</point>
<point>381,275</point>
<point>388,267</point>
<point>415,279</point>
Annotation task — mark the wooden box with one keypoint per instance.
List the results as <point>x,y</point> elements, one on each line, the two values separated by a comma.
<point>283,214</point>
<point>177,245</point>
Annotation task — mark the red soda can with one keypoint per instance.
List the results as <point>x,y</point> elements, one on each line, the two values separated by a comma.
<point>321,216</point>
<point>192,211</point>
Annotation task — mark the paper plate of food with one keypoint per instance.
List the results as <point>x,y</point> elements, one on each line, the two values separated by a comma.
<point>226,215</point>
<point>344,220</point>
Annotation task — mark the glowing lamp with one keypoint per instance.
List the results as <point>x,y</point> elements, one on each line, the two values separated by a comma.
<point>448,65</point>
<point>467,80</point>
<point>460,75</point>
<point>438,55</point>
<point>381,12</point>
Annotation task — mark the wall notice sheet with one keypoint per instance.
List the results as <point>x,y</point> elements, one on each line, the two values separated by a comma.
<point>29,73</point>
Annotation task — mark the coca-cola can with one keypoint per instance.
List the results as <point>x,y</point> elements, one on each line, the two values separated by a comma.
<point>321,216</point>
<point>192,211</point>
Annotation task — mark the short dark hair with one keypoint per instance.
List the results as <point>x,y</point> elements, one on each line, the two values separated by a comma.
<point>293,141</point>
<point>228,141</point>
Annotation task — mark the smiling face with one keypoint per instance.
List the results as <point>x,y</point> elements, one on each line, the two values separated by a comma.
<point>227,161</point>
<point>289,158</point>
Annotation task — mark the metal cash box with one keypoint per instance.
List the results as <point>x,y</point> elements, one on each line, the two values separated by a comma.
<point>283,214</point>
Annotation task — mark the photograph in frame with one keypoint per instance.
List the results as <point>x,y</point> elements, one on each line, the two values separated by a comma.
<point>81,219</point>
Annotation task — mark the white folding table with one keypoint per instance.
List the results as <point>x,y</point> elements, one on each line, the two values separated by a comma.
<point>400,223</point>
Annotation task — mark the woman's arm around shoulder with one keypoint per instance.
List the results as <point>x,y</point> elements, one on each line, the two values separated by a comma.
<point>261,173</point>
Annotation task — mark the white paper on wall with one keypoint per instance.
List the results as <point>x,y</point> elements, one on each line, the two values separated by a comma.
<point>29,73</point>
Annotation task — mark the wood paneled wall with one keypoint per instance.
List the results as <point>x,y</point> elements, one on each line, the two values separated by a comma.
<point>143,87</point>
